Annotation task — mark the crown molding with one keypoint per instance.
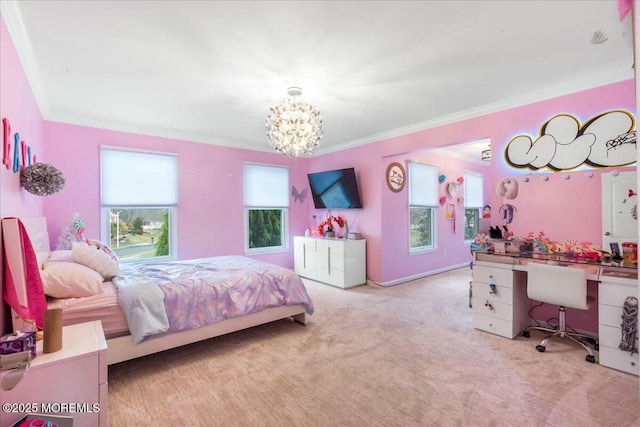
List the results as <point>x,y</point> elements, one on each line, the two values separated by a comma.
<point>12,17</point>
<point>555,91</point>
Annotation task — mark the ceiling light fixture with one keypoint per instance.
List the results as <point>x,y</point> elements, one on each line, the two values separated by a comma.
<point>294,127</point>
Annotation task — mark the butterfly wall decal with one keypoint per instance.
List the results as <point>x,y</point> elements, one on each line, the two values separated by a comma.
<point>298,196</point>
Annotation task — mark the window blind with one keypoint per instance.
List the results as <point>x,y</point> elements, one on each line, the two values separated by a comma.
<point>266,186</point>
<point>423,185</point>
<point>135,178</point>
<point>473,190</point>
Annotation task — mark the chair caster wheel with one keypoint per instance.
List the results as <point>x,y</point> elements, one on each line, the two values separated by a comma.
<point>540,348</point>
<point>526,334</point>
<point>591,359</point>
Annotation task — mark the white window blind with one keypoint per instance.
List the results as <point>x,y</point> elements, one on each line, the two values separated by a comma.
<point>266,186</point>
<point>473,190</point>
<point>423,185</point>
<point>134,178</point>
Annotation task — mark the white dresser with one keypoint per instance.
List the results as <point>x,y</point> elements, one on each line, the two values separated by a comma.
<point>612,293</point>
<point>334,261</point>
<point>500,303</point>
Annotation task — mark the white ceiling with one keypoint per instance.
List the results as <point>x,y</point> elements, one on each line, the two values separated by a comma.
<point>209,71</point>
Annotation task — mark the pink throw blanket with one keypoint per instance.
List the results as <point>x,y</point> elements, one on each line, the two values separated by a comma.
<point>36,300</point>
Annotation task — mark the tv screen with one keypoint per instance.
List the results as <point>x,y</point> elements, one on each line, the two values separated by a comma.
<point>336,189</point>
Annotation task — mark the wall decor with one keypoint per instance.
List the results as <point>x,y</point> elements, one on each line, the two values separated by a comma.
<point>450,214</point>
<point>396,177</point>
<point>6,146</point>
<point>22,156</point>
<point>298,196</point>
<point>563,143</point>
<point>507,188</point>
<point>42,179</point>
<point>452,189</point>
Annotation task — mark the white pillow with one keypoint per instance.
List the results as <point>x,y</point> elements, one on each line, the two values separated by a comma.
<point>68,279</point>
<point>42,257</point>
<point>95,258</point>
<point>58,256</point>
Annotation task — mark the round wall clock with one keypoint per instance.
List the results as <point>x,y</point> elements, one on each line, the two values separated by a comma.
<point>396,177</point>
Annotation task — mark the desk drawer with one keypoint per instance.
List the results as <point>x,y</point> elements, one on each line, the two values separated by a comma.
<point>499,276</point>
<point>500,310</point>
<point>610,315</point>
<point>500,327</point>
<point>503,294</point>
<point>621,360</point>
<point>609,336</point>
<point>615,294</point>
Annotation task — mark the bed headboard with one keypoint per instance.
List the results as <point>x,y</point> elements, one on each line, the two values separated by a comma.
<point>37,231</point>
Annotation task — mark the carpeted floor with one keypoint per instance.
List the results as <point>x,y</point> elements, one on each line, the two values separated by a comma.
<point>401,356</point>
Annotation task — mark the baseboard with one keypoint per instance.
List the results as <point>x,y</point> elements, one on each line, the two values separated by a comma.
<point>417,276</point>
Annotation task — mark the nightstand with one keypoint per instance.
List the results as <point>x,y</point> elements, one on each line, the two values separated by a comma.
<point>70,382</point>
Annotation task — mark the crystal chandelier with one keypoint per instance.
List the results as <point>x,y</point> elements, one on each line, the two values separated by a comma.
<point>294,127</point>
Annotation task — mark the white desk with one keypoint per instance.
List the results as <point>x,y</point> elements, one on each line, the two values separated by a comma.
<point>503,309</point>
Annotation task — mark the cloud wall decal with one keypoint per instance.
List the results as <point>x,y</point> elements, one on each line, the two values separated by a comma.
<point>605,140</point>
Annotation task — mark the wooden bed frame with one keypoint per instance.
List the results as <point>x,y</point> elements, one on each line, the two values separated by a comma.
<point>123,348</point>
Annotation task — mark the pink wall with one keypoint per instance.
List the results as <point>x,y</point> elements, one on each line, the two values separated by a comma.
<point>17,104</point>
<point>210,211</point>
<point>210,215</point>
<point>564,210</point>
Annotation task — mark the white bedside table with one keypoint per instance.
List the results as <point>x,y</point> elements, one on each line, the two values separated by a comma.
<point>70,382</point>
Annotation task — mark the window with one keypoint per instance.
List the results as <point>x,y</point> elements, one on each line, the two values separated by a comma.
<point>473,204</point>
<point>266,203</point>
<point>423,201</point>
<point>139,197</point>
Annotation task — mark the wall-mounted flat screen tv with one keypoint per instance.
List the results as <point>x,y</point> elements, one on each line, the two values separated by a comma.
<point>335,189</point>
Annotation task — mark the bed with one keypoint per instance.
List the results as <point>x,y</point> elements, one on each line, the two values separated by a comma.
<point>203,298</point>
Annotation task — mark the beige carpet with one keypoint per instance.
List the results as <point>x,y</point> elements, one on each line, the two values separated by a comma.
<point>401,356</point>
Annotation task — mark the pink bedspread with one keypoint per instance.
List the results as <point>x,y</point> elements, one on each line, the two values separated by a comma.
<point>207,290</point>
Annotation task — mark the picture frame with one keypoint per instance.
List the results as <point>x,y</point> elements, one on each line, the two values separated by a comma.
<point>396,177</point>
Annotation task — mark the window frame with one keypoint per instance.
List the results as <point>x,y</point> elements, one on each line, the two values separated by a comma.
<point>429,202</point>
<point>105,209</point>
<point>282,206</point>
<point>469,205</point>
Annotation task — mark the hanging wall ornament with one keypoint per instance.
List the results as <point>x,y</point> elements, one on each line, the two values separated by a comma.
<point>507,188</point>
<point>452,189</point>
<point>42,179</point>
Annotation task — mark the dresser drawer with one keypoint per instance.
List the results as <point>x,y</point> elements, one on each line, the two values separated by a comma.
<point>502,294</point>
<point>500,327</point>
<point>621,360</point>
<point>615,294</point>
<point>609,336</point>
<point>493,308</point>
<point>499,276</point>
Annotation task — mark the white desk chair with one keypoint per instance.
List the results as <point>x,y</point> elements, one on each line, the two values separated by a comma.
<point>566,287</point>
